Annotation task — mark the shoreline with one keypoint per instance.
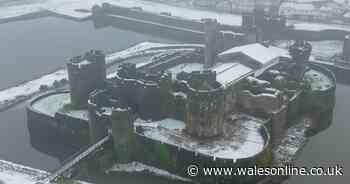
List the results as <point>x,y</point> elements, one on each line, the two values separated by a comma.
<point>18,93</point>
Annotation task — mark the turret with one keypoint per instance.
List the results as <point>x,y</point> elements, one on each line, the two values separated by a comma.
<point>86,73</point>
<point>300,51</point>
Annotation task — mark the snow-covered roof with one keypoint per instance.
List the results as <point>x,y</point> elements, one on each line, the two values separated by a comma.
<point>298,6</point>
<point>186,67</point>
<point>227,73</point>
<point>262,55</point>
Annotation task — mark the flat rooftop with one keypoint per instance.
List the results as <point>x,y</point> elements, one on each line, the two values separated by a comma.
<point>227,73</point>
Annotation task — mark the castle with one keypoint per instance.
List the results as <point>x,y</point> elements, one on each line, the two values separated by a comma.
<point>231,112</point>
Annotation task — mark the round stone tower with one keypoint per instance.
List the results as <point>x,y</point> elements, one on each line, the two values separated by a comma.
<point>123,133</point>
<point>346,48</point>
<point>86,73</point>
<point>205,106</point>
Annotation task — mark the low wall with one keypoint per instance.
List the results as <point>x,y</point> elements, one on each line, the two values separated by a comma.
<point>156,24</point>
<point>151,27</point>
<point>160,18</point>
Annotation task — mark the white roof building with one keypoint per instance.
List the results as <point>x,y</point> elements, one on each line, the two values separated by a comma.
<point>228,73</point>
<point>254,56</point>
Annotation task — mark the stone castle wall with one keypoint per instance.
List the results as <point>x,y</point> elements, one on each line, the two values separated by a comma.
<point>176,159</point>
<point>205,112</point>
<point>71,131</point>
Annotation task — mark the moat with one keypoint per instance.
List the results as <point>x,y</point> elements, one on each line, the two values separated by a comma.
<point>21,151</point>
<point>21,58</point>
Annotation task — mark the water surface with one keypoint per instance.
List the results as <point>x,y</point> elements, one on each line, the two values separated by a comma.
<point>29,49</point>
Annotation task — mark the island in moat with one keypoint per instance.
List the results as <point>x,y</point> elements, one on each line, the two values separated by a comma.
<point>211,105</point>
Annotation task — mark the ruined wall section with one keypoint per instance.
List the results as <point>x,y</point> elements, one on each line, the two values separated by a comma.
<point>257,99</point>
<point>148,95</point>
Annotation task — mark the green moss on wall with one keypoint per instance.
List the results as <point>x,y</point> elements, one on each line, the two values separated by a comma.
<point>265,159</point>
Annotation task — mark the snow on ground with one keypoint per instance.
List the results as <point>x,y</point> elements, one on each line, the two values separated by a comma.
<point>56,103</point>
<point>309,26</point>
<point>318,80</point>
<point>139,167</point>
<point>186,13</point>
<point>292,143</point>
<point>69,7</point>
<point>31,87</point>
<point>242,138</point>
<point>11,173</point>
<point>52,103</point>
<point>15,178</point>
<point>80,114</point>
<point>72,8</point>
<point>15,11</point>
